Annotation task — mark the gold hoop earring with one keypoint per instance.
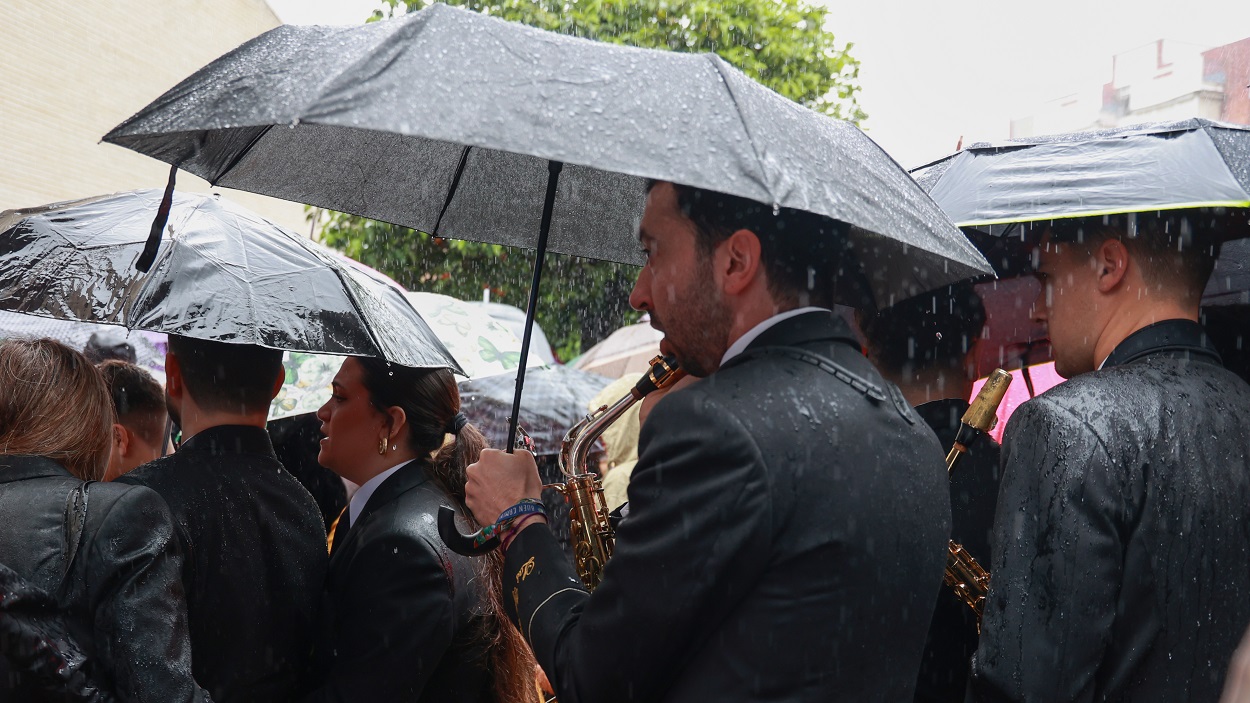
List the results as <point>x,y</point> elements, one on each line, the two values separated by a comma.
<point>382,445</point>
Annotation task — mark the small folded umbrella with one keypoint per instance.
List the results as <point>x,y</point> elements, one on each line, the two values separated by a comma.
<point>221,273</point>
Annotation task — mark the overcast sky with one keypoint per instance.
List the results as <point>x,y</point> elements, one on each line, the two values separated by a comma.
<point>935,71</point>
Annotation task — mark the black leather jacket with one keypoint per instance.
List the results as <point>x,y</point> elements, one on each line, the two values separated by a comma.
<point>1119,567</point>
<point>126,603</point>
<point>402,619</point>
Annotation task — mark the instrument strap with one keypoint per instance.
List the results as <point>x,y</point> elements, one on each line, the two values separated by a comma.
<point>870,390</point>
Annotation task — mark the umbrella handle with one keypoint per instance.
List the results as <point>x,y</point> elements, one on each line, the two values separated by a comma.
<point>471,545</point>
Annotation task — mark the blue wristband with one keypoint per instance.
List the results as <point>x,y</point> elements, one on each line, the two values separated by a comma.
<point>526,506</point>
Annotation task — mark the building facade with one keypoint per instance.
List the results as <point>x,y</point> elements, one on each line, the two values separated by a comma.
<point>1161,81</point>
<point>70,73</point>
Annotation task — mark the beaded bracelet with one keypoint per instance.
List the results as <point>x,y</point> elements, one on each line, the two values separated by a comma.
<point>506,539</point>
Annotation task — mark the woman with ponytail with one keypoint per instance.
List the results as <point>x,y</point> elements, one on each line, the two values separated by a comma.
<point>406,619</point>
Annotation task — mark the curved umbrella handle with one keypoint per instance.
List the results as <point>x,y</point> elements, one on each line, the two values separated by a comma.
<point>486,539</point>
<point>471,545</point>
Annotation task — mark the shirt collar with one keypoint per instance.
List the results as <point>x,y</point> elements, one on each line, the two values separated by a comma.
<point>365,492</point>
<point>1184,337</point>
<point>230,439</point>
<point>740,344</point>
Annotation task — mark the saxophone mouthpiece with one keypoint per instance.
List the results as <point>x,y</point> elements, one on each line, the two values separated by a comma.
<point>664,372</point>
<point>982,413</point>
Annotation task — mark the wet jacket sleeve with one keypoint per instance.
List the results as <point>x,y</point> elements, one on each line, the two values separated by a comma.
<point>393,622</point>
<point>137,600</point>
<point>695,541</point>
<point>1057,561</point>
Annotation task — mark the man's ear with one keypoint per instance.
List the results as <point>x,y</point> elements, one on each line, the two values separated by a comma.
<point>738,257</point>
<point>121,439</point>
<point>1111,260</point>
<point>173,376</point>
<point>277,383</point>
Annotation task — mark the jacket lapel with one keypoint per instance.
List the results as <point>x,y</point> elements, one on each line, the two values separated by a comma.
<point>408,477</point>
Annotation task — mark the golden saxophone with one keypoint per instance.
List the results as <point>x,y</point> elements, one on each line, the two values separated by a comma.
<point>968,579</point>
<point>592,535</point>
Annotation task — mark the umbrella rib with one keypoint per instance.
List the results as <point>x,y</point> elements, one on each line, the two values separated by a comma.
<point>719,64</point>
<point>239,156</point>
<point>451,193</point>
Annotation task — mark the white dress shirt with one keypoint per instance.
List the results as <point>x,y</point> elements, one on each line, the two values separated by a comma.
<point>740,344</point>
<point>361,498</point>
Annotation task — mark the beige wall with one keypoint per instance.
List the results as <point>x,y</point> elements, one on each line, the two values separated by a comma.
<point>71,72</point>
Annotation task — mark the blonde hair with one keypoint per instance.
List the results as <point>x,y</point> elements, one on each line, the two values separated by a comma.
<point>54,405</point>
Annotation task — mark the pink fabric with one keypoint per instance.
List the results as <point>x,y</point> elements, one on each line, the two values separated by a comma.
<point>1044,378</point>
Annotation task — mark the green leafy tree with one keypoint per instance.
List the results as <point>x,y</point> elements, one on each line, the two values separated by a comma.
<point>781,43</point>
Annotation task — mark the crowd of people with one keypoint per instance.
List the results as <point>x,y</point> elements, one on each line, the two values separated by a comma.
<point>787,517</point>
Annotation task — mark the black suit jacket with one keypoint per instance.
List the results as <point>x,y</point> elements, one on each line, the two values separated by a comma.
<point>403,618</point>
<point>125,600</point>
<point>255,564</point>
<point>785,542</point>
<point>1123,528</point>
<point>953,636</point>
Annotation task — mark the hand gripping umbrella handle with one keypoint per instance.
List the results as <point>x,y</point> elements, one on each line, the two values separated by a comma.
<point>486,539</point>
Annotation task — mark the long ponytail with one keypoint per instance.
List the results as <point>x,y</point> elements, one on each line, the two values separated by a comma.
<point>430,400</point>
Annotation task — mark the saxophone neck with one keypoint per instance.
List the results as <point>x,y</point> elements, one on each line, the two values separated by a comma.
<point>575,449</point>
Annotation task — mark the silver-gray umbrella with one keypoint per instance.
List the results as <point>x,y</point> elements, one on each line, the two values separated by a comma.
<point>461,125</point>
<point>221,273</point>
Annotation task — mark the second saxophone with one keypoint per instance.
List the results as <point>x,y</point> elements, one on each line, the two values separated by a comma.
<point>968,579</point>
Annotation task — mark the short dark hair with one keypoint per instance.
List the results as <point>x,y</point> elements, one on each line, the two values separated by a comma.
<point>237,378</point>
<point>138,399</point>
<point>1175,249</point>
<point>807,257</point>
<point>932,330</point>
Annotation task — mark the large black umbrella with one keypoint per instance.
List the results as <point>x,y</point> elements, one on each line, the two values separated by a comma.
<point>460,125</point>
<point>996,190</point>
<point>221,273</point>
<point>1165,166</point>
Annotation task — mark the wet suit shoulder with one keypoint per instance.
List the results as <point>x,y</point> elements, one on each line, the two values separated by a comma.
<point>748,516</point>
<point>1107,479</point>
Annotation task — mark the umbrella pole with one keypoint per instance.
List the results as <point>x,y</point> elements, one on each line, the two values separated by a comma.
<point>553,178</point>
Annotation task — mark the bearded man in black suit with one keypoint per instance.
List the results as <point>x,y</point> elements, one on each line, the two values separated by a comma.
<point>1123,522</point>
<point>788,517</point>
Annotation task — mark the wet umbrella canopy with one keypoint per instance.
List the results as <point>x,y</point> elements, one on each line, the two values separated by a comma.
<point>556,398</point>
<point>466,126</point>
<point>446,120</point>
<point>221,273</point>
<point>1165,166</point>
